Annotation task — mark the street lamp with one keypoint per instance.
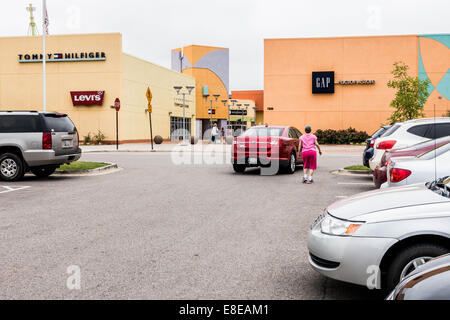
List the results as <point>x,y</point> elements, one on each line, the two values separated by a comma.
<point>216,97</point>
<point>229,111</point>
<point>178,90</point>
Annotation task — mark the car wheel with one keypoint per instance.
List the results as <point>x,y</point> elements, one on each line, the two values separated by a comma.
<point>43,172</point>
<point>291,165</point>
<point>11,167</point>
<point>409,259</point>
<point>239,168</point>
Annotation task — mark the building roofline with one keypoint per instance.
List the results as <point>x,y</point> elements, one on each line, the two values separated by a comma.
<point>65,35</point>
<point>356,37</point>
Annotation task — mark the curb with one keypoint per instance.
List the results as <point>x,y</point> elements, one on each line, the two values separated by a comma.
<point>110,166</point>
<point>359,173</point>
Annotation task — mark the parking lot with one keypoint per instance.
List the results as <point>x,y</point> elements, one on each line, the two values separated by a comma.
<point>156,230</point>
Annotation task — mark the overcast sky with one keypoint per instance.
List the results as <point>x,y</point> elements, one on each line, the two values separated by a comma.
<point>151,28</point>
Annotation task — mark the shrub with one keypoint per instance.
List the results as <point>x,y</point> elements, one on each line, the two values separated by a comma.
<point>88,138</point>
<point>99,137</point>
<point>447,114</point>
<point>349,136</point>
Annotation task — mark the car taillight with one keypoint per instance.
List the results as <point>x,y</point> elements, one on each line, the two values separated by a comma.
<point>372,143</point>
<point>47,141</point>
<point>386,144</point>
<point>397,175</point>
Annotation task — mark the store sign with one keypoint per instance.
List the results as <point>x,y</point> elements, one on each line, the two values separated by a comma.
<point>87,98</point>
<point>211,111</point>
<point>353,82</point>
<point>62,57</point>
<point>323,82</point>
<point>238,112</point>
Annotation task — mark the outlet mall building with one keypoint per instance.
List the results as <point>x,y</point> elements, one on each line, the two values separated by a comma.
<point>337,83</point>
<point>85,74</point>
<point>328,83</point>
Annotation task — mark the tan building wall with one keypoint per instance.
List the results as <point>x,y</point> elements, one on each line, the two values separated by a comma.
<point>120,76</point>
<point>251,114</point>
<point>288,67</point>
<point>138,75</point>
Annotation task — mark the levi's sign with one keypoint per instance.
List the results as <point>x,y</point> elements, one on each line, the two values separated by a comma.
<point>62,57</point>
<point>87,98</point>
<point>323,82</point>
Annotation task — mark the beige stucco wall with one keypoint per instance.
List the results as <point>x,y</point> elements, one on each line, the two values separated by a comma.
<point>21,83</point>
<point>138,75</point>
<point>250,111</point>
<point>120,76</point>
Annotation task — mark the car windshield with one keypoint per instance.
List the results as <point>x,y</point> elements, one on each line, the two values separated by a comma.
<point>391,130</point>
<point>435,152</point>
<point>441,186</point>
<point>59,123</point>
<point>263,132</point>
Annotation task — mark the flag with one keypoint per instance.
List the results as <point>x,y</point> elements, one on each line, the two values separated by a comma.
<point>46,21</point>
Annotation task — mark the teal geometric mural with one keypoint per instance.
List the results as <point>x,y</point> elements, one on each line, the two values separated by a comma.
<point>443,87</point>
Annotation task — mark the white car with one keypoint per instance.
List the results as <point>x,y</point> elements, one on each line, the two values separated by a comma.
<point>378,238</point>
<point>408,133</point>
<point>422,168</point>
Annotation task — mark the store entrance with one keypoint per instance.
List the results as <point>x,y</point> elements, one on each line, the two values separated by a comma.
<point>176,128</point>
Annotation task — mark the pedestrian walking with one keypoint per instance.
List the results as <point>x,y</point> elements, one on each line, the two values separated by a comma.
<point>222,135</point>
<point>214,133</point>
<point>308,145</point>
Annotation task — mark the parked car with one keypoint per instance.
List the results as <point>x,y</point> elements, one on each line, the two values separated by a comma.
<point>430,281</point>
<point>260,146</point>
<point>387,230</point>
<point>408,133</point>
<point>35,141</point>
<point>380,175</point>
<point>422,168</point>
<point>368,151</point>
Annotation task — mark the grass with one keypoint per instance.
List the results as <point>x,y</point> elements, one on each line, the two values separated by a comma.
<point>358,168</point>
<point>80,165</point>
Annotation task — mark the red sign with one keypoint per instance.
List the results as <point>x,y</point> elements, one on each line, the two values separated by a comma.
<point>117,104</point>
<point>87,98</point>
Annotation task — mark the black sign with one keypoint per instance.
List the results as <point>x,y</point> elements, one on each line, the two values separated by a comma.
<point>63,57</point>
<point>211,111</point>
<point>323,82</point>
<point>238,112</point>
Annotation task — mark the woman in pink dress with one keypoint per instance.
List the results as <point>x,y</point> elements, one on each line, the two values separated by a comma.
<point>308,144</point>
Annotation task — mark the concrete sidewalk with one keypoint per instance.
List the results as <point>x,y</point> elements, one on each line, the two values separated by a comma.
<point>200,147</point>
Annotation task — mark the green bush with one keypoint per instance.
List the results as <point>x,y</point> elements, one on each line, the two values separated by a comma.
<point>349,136</point>
<point>99,137</point>
<point>88,139</point>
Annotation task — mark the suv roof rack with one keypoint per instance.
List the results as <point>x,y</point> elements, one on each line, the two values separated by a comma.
<point>9,111</point>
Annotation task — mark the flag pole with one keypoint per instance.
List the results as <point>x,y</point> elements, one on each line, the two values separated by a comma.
<point>44,33</point>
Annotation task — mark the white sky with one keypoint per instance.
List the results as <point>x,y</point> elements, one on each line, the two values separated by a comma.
<point>151,28</point>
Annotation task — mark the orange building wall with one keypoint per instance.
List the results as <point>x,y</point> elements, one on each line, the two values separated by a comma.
<point>288,68</point>
<point>255,95</point>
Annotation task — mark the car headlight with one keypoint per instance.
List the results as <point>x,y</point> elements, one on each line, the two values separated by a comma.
<point>337,227</point>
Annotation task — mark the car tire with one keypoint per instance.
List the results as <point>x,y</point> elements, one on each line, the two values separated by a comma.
<point>11,167</point>
<point>239,168</point>
<point>403,261</point>
<point>43,172</point>
<point>291,164</point>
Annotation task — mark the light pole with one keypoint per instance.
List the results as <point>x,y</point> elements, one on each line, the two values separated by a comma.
<point>178,90</point>
<point>216,97</point>
<point>229,111</point>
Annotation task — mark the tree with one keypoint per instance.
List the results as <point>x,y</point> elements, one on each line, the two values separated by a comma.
<point>411,94</point>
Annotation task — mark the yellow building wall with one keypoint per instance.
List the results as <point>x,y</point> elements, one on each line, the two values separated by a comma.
<point>21,83</point>
<point>138,75</point>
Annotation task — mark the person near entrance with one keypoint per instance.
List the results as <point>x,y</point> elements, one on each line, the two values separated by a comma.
<point>308,145</point>
<point>222,135</point>
<point>214,133</point>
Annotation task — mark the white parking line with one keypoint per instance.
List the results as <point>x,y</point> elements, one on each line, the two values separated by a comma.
<point>356,183</point>
<point>6,189</point>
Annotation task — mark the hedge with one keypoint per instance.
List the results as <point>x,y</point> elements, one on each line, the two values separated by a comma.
<point>349,136</point>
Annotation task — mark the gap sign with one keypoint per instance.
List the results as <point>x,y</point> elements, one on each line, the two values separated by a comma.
<point>323,82</point>
<point>87,98</point>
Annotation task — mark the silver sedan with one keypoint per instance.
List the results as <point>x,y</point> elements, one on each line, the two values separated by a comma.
<point>377,238</point>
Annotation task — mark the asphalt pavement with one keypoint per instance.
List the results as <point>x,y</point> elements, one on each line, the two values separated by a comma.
<point>158,229</point>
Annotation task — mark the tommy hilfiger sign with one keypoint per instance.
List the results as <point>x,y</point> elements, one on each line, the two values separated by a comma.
<point>63,57</point>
